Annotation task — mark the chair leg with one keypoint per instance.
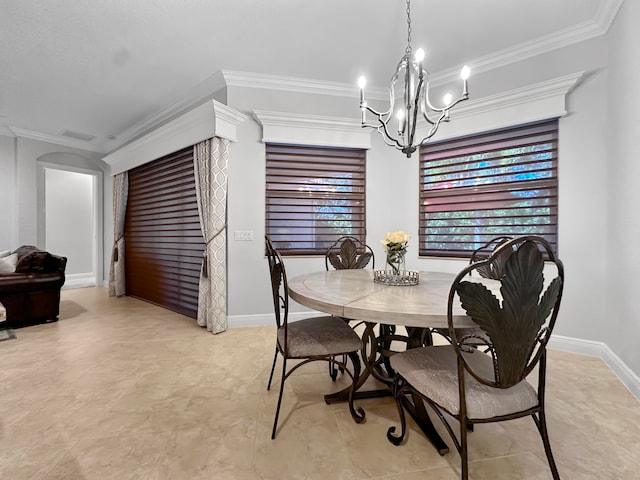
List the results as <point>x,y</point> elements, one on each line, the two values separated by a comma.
<point>541,423</point>
<point>275,420</point>
<point>403,421</point>
<point>335,368</point>
<point>358,414</point>
<point>333,371</point>
<point>464,457</point>
<point>273,367</point>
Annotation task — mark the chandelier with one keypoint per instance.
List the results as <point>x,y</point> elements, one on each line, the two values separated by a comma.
<point>415,96</point>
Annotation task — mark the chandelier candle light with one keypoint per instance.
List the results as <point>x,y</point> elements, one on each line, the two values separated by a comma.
<point>415,97</point>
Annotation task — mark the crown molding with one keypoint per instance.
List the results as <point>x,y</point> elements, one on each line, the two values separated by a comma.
<point>563,38</point>
<point>299,85</point>
<point>56,139</point>
<point>6,131</point>
<point>199,94</point>
<point>205,121</point>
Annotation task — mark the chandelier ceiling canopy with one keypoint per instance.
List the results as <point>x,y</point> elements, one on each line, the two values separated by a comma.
<point>415,97</point>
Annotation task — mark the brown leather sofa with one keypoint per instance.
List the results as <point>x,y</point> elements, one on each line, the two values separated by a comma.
<point>31,294</point>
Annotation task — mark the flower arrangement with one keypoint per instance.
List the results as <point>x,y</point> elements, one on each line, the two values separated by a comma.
<point>395,246</point>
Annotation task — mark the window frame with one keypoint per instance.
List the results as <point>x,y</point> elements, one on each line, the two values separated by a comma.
<point>500,148</point>
<point>296,184</point>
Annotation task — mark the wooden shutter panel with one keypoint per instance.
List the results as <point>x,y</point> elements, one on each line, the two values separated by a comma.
<point>164,243</point>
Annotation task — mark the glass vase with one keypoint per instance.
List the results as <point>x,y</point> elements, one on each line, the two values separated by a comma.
<point>395,263</point>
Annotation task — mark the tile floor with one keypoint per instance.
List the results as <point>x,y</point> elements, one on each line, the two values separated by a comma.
<point>120,389</point>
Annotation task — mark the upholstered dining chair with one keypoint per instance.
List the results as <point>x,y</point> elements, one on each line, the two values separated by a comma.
<point>311,339</point>
<point>347,253</point>
<point>474,386</point>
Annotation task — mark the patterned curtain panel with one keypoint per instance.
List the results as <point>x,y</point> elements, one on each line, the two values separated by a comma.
<point>116,271</point>
<point>210,159</point>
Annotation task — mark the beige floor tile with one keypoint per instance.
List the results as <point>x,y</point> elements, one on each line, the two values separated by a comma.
<point>119,389</point>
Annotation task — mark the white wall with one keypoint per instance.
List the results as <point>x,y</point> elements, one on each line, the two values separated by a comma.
<point>620,327</point>
<point>19,185</point>
<point>8,230</point>
<point>69,218</point>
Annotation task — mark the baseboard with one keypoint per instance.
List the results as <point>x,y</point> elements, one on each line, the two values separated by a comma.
<point>558,342</point>
<point>600,350</point>
<point>79,280</point>
<point>264,320</point>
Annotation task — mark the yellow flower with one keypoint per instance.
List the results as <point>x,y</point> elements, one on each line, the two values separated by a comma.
<point>395,241</point>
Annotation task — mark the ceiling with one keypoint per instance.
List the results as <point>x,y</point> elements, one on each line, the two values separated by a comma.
<point>103,68</point>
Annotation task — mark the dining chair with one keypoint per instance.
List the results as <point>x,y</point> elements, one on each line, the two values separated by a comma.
<point>347,253</point>
<point>311,339</point>
<point>474,386</point>
<point>494,270</point>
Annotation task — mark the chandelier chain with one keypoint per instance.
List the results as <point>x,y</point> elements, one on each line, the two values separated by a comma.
<point>408,49</point>
<point>416,114</point>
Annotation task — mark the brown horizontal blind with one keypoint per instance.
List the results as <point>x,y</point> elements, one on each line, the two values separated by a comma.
<point>164,243</point>
<point>478,187</point>
<point>313,196</point>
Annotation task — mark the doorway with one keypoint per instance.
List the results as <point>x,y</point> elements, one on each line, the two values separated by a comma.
<point>70,221</point>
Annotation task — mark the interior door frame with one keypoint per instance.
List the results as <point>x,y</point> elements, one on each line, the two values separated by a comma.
<point>98,234</point>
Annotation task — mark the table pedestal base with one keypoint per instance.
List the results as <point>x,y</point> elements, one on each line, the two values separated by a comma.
<point>375,354</point>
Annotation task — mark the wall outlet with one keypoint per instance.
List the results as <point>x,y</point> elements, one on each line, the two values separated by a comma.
<point>243,235</point>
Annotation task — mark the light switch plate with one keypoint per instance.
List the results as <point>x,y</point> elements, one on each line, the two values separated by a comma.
<point>243,235</point>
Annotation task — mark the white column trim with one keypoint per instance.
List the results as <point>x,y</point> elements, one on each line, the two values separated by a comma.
<point>531,103</point>
<point>303,129</point>
<point>211,119</point>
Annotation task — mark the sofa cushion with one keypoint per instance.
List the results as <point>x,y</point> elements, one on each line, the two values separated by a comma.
<point>5,253</point>
<point>8,263</point>
<point>32,262</point>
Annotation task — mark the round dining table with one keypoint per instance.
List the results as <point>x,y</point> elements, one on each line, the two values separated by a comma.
<point>354,296</point>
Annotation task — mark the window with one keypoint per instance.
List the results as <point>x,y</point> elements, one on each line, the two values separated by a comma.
<point>313,196</point>
<point>475,188</point>
<point>164,243</point>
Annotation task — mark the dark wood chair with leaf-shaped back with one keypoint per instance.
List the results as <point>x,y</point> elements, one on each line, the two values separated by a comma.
<point>312,339</point>
<point>347,253</point>
<point>490,386</point>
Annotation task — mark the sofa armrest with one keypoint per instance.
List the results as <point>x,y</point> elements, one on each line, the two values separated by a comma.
<point>56,263</point>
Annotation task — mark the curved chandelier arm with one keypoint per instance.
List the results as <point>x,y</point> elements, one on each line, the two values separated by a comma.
<point>415,97</point>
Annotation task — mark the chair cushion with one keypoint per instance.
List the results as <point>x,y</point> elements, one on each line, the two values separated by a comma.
<point>433,372</point>
<point>319,336</point>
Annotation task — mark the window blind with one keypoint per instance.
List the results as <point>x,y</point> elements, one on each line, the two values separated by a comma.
<point>313,196</point>
<point>477,187</point>
<point>164,243</point>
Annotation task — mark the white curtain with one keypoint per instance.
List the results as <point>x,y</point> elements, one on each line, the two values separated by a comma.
<point>210,159</point>
<point>116,271</point>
